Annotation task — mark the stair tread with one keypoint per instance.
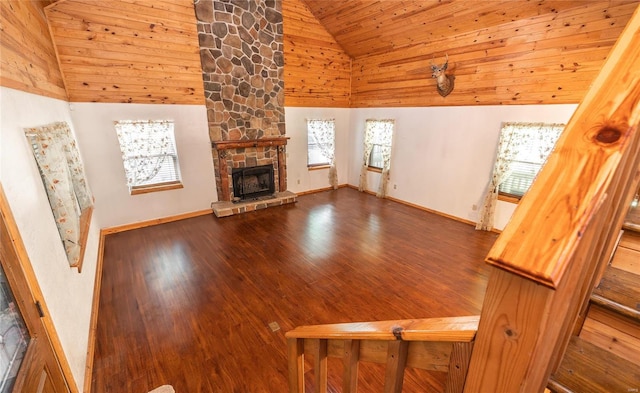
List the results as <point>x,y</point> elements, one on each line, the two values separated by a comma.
<point>619,290</point>
<point>587,368</point>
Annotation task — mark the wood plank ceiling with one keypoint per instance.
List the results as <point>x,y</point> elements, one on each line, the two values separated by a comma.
<point>501,52</point>
<point>128,50</point>
<point>356,53</point>
<point>27,56</point>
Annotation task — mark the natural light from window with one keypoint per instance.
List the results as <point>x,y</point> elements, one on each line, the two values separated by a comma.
<point>530,145</point>
<point>149,154</point>
<point>321,142</point>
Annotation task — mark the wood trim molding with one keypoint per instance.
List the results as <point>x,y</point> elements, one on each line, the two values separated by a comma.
<point>155,221</point>
<point>93,323</point>
<point>426,209</point>
<point>85,223</point>
<point>323,189</point>
<point>263,142</point>
<point>36,292</point>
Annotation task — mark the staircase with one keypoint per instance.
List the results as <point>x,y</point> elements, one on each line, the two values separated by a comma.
<point>559,310</point>
<point>605,355</point>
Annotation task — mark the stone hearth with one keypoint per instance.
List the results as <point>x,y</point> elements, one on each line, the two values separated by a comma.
<point>225,208</point>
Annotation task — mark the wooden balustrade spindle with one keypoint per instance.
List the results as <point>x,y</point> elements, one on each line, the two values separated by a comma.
<point>320,366</point>
<point>295,349</point>
<point>396,362</point>
<point>351,357</point>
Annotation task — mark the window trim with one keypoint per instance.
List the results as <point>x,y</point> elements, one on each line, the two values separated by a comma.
<point>503,196</point>
<point>316,167</point>
<point>171,185</point>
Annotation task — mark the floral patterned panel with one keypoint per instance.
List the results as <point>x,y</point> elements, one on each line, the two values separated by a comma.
<point>62,172</point>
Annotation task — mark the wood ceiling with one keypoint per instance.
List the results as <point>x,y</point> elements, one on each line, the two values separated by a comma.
<point>373,27</point>
<point>128,50</point>
<point>501,52</point>
<point>355,53</point>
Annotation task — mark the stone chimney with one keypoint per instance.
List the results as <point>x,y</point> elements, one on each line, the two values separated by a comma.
<point>241,50</point>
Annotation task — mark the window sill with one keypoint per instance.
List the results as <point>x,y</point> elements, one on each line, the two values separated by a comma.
<point>374,169</point>
<point>156,187</point>
<point>508,198</point>
<point>316,167</point>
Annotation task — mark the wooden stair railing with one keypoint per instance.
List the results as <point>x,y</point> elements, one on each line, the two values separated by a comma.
<point>604,353</point>
<point>555,248</point>
<point>417,343</point>
<point>553,252</point>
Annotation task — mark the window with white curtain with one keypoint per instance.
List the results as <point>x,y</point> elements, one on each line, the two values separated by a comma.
<point>321,142</point>
<point>149,155</point>
<point>378,138</point>
<point>535,142</point>
<point>380,134</point>
<point>522,150</point>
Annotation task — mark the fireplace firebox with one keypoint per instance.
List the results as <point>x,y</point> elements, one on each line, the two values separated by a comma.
<point>253,182</point>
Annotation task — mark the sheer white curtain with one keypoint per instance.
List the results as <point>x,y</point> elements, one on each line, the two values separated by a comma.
<point>514,137</point>
<point>378,133</point>
<point>62,172</point>
<point>323,133</point>
<point>145,146</point>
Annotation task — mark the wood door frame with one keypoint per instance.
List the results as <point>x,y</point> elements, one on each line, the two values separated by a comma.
<point>25,269</point>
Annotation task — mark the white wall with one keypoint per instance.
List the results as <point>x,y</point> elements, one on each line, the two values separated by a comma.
<point>299,177</point>
<point>67,293</point>
<point>442,157</point>
<point>97,138</point>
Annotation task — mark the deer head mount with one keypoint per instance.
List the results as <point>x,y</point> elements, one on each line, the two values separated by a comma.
<point>444,82</point>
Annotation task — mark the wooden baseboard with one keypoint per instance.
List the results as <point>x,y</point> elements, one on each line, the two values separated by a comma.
<point>93,323</point>
<point>155,221</point>
<point>426,209</point>
<point>319,190</point>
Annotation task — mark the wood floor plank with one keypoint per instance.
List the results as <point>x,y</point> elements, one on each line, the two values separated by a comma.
<point>190,303</point>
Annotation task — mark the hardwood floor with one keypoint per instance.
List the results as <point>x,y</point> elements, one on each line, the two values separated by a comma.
<point>190,303</point>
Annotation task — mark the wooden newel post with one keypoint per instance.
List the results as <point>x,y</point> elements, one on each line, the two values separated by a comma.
<point>549,257</point>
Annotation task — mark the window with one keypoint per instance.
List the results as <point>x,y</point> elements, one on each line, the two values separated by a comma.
<point>380,133</point>
<point>531,144</point>
<point>321,142</point>
<point>149,155</point>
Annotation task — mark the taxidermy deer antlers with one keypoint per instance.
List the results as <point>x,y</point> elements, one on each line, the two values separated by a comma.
<point>444,82</point>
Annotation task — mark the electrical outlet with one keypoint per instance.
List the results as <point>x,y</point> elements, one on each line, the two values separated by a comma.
<point>474,207</point>
<point>298,181</point>
<point>395,186</point>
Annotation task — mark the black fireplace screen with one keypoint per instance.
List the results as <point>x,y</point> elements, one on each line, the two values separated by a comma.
<point>253,182</point>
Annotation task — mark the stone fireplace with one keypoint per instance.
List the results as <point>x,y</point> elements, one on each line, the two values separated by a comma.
<point>241,51</point>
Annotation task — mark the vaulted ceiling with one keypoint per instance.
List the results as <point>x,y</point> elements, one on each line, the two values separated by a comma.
<point>373,27</point>
<point>501,52</point>
<point>352,53</point>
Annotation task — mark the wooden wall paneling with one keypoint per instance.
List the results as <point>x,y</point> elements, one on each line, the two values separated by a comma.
<point>128,51</point>
<point>28,60</point>
<point>541,51</point>
<point>317,71</point>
